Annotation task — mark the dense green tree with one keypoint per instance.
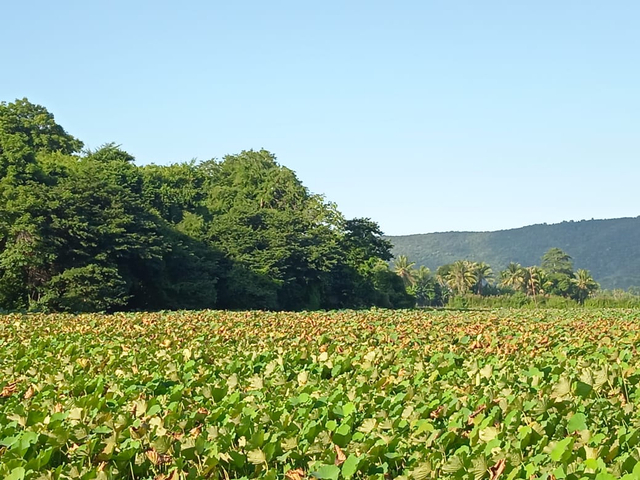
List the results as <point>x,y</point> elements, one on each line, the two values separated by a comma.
<point>557,261</point>
<point>26,130</point>
<point>358,279</point>
<point>390,291</point>
<point>92,231</point>
<point>363,240</point>
<point>266,221</point>
<point>558,268</point>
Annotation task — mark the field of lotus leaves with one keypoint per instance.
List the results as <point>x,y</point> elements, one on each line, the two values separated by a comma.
<point>372,394</point>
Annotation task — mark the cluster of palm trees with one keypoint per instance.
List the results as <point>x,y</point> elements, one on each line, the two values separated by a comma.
<point>463,277</point>
<point>536,280</point>
<point>420,282</point>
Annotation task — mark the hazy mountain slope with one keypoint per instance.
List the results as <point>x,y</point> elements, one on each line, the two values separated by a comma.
<point>610,249</point>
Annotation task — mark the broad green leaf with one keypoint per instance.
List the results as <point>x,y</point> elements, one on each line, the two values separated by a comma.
<point>562,447</point>
<point>350,466</point>
<point>577,423</point>
<point>17,473</point>
<point>330,472</point>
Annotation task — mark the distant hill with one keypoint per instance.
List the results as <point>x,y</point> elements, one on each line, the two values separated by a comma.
<point>610,249</point>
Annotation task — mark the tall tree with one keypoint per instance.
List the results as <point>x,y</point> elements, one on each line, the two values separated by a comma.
<point>404,269</point>
<point>557,261</point>
<point>534,281</point>
<point>427,289</point>
<point>483,274</point>
<point>461,276</point>
<point>585,285</point>
<point>513,277</point>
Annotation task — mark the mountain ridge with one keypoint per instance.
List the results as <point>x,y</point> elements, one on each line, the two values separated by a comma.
<point>608,248</point>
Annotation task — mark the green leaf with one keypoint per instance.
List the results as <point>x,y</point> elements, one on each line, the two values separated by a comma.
<point>350,466</point>
<point>577,423</point>
<point>421,472</point>
<point>16,474</point>
<point>348,409</point>
<point>561,448</point>
<point>330,472</point>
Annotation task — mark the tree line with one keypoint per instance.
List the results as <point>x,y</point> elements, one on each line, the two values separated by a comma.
<point>555,277</point>
<point>88,230</point>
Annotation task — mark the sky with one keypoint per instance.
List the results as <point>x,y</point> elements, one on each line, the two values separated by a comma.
<point>422,115</point>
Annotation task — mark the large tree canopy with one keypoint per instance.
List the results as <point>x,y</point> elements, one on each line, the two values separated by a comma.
<point>92,231</point>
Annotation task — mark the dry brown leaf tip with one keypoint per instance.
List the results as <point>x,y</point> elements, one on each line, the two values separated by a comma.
<point>9,389</point>
<point>29,393</point>
<point>497,469</point>
<point>297,474</point>
<point>157,458</point>
<point>340,456</point>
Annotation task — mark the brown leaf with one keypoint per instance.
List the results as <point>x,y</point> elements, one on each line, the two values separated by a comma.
<point>29,393</point>
<point>157,458</point>
<point>9,389</point>
<point>476,413</point>
<point>437,412</point>
<point>497,469</point>
<point>174,475</point>
<point>340,456</point>
<point>297,474</point>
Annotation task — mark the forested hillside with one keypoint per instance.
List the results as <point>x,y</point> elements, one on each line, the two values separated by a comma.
<point>85,230</point>
<point>609,249</point>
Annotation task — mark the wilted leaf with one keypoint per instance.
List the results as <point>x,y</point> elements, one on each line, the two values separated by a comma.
<point>497,469</point>
<point>340,456</point>
<point>297,474</point>
<point>256,457</point>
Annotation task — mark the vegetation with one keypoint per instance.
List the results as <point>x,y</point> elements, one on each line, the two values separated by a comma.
<point>84,231</point>
<point>607,248</point>
<point>89,231</point>
<point>373,394</point>
<point>464,284</point>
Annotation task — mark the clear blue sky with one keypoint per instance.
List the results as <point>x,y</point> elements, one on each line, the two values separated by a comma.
<point>424,115</point>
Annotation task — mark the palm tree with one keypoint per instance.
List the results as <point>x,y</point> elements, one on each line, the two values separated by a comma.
<point>425,287</point>
<point>422,275</point>
<point>585,285</point>
<point>483,275</point>
<point>405,270</point>
<point>534,281</point>
<point>513,276</point>
<point>461,276</point>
